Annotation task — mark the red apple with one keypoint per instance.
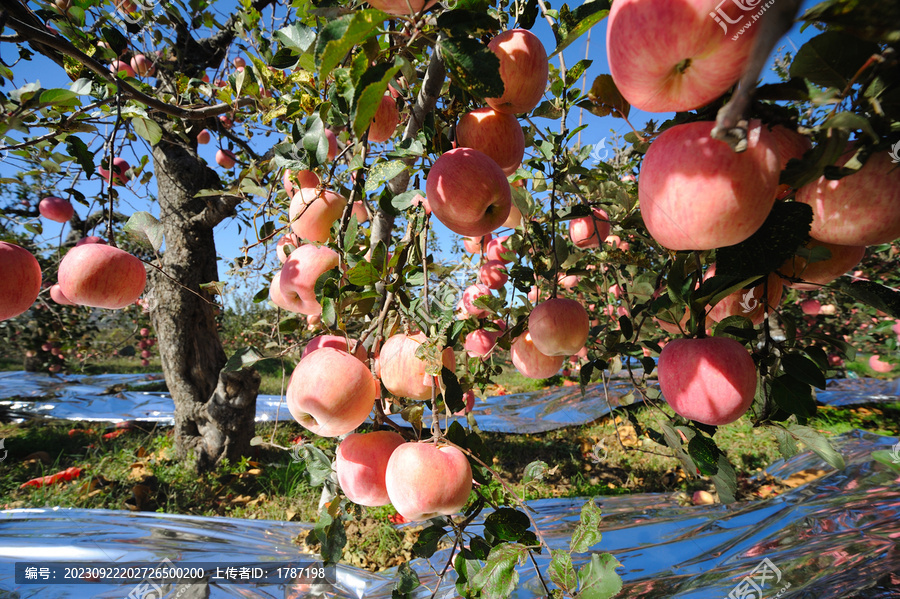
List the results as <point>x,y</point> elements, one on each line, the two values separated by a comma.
<point>142,65</point>
<point>843,259</point>
<point>295,181</point>
<point>697,194</point>
<point>401,7</point>
<point>468,192</point>
<point>56,209</point>
<point>469,398</point>
<point>402,373</point>
<point>515,218</point>
<point>498,249</point>
<point>204,137</point>
<point>493,274</point>
<point>313,211</point>
<point>590,231</point>
<point>120,172</point>
<point>672,55</point>
<point>480,343</point>
<point>476,245</point>
<point>361,461</point>
<point>425,480</point>
<point>120,66</point>
<point>332,144</point>
<point>790,143</point>
<point>523,68</point>
<point>337,342</point>
<point>359,210</point>
<point>469,296</point>
<point>862,209</point>
<point>811,307</point>
<point>90,239</point>
<point>497,134</point>
<point>101,276</point>
<point>710,380</point>
<point>878,365</point>
<point>530,362</point>
<point>59,297</point>
<point>385,121</point>
<point>226,158</point>
<point>569,282</point>
<point>287,244</point>
<point>297,280</point>
<point>20,280</point>
<point>559,327</point>
<point>331,392</point>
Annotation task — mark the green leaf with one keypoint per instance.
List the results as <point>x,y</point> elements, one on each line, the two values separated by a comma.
<point>363,274</point>
<point>505,524</point>
<point>407,579</point>
<point>117,42</point>
<point>405,200</point>
<point>427,542</point>
<point>59,97</point>
<point>562,573</point>
<point>725,480</point>
<point>831,59</point>
<point>498,578</point>
<point>339,37</point>
<point>148,129</point>
<point>605,98</point>
<point>888,458</point>
<point>705,454</point>
<point>83,156</point>
<point>297,37</point>
<point>851,122</point>
<point>598,578</point>
<point>462,23</point>
<point>317,464</point>
<point>331,535</point>
<point>145,229</point>
<point>793,396</point>
<point>453,393</point>
<point>587,533</point>
<point>875,295</point>
<point>367,96</point>
<point>803,369</point>
<point>786,444</point>
<point>573,24</point>
<point>784,230</point>
<point>382,172</point>
<point>534,472</point>
<point>472,66</point>
<point>242,358</point>
<point>817,443</point>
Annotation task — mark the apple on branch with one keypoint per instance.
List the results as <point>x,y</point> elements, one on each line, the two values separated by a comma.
<point>20,280</point>
<point>425,480</point>
<point>101,276</point>
<point>361,461</point>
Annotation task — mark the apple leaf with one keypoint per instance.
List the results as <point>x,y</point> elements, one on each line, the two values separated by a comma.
<point>878,296</point>
<point>297,37</point>
<point>148,129</point>
<point>561,571</point>
<point>887,458</point>
<point>331,536</point>
<point>831,59</point>
<point>572,24</point>
<point>472,66</point>
<point>876,21</point>
<point>587,533</point>
<point>505,524</point>
<point>817,443</point>
<point>725,480</point>
<point>382,172</point>
<point>363,274</point>
<point>784,230</point>
<point>407,579</point>
<point>317,464</point>
<point>242,358</point>
<point>498,578</point>
<point>598,578</point>
<point>786,444</point>
<point>367,96</point>
<point>83,156</point>
<point>793,396</point>
<point>339,37</point>
<point>604,98</point>
<point>427,542</point>
<point>803,369</point>
<point>705,454</point>
<point>145,230</point>
<point>462,23</point>
<point>534,472</point>
<point>453,393</point>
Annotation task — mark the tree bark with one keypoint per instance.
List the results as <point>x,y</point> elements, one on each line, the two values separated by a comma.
<point>214,411</point>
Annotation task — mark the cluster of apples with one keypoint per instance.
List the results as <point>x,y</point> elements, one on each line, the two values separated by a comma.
<point>697,194</point>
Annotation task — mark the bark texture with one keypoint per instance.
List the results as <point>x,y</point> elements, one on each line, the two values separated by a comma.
<point>214,411</point>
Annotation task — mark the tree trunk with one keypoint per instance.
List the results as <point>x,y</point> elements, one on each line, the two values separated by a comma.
<point>214,411</point>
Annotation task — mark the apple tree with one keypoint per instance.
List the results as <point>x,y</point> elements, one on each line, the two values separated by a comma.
<point>667,261</point>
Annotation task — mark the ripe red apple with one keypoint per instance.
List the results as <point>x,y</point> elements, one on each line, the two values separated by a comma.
<point>125,6</point>
<point>142,65</point>
<point>862,209</point>
<point>523,68</point>
<point>332,144</point>
<point>119,66</point>
<point>337,342</point>
<point>239,62</point>
<point>747,302</point>
<point>493,274</point>
<point>790,143</point>
<point>568,282</point>
<point>469,398</point>
<point>287,244</point>
<point>313,211</point>
<point>297,280</point>
<point>401,7</point>
<point>498,249</point>
<point>476,245</point>
<point>559,327</point>
<point>226,158</point>
<point>56,209</point>
<point>590,231</point>
<point>359,210</point>
<point>878,365</point>
<point>515,218</point>
<point>469,296</point>
<point>331,392</point>
<point>402,373</point>
<point>710,380</point>
<point>425,480</point>
<point>530,362</point>
<point>697,194</point>
<point>480,343</point>
<point>295,181</point>
<point>90,239</point>
<point>59,297</point>
<point>811,307</point>
<point>497,134</point>
<point>361,461</point>
<point>204,137</point>
<point>843,259</point>
<point>468,192</point>
<point>101,276</point>
<point>120,172</point>
<point>20,280</point>
<point>673,56</point>
<point>385,121</point>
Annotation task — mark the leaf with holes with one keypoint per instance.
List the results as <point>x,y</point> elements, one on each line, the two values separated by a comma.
<point>587,533</point>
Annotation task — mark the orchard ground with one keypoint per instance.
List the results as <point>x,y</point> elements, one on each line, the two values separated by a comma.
<point>134,468</point>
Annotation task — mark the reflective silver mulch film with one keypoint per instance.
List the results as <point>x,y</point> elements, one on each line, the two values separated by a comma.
<point>98,398</point>
<point>835,537</point>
